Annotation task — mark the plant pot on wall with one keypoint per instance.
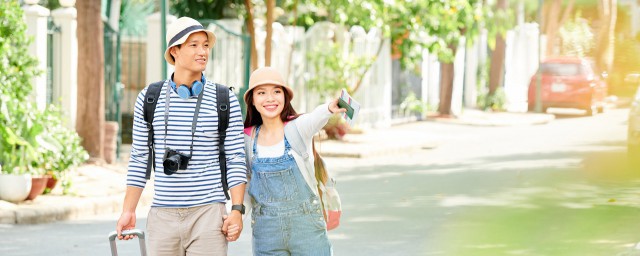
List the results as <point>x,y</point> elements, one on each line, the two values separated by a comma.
<point>15,187</point>
<point>110,141</point>
<point>38,184</point>
<point>51,181</point>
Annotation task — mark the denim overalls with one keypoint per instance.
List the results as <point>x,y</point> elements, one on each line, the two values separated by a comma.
<point>287,217</point>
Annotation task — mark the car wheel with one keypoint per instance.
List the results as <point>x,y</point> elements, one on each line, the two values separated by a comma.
<point>591,110</point>
<point>601,108</point>
<point>532,108</point>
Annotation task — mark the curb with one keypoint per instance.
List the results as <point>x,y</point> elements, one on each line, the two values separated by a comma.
<point>349,150</point>
<point>46,209</point>
<point>496,120</point>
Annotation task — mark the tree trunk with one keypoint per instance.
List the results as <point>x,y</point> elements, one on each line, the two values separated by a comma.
<point>606,34</point>
<point>91,101</point>
<point>553,21</point>
<point>446,85</point>
<point>271,5</point>
<point>252,32</point>
<point>496,72</point>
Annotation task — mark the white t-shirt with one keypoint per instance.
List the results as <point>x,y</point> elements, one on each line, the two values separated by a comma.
<point>275,150</point>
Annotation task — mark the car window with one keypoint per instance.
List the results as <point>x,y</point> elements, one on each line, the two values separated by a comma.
<point>560,69</point>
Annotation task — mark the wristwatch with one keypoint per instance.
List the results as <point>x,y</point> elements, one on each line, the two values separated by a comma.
<point>238,207</point>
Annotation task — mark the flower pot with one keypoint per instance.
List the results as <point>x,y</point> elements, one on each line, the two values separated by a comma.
<point>51,182</point>
<point>38,184</point>
<point>110,141</point>
<point>15,187</point>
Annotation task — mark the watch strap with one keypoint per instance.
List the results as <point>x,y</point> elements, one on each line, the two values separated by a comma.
<point>238,207</point>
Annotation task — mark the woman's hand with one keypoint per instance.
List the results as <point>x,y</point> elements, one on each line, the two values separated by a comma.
<point>334,108</point>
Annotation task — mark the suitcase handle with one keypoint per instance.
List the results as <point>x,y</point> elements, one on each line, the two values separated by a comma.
<point>136,232</point>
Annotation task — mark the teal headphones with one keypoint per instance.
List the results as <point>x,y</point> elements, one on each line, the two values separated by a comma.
<point>184,91</point>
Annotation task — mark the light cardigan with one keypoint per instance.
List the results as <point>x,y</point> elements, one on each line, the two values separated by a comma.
<point>308,125</point>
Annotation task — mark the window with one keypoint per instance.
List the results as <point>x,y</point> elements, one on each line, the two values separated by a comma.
<point>561,69</point>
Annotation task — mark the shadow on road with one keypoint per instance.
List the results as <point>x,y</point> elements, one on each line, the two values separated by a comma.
<point>552,203</point>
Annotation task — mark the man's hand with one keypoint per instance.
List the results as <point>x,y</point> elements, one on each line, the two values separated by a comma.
<point>127,221</point>
<point>232,226</point>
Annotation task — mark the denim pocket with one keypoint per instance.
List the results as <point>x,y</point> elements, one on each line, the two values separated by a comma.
<point>278,186</point>
<point>317,220</point>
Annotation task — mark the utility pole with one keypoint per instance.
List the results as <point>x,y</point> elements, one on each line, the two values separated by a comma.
<point>163,26</point>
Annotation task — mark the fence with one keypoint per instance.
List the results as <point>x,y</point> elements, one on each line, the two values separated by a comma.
<point>52,71</point>
<point>134,54</point>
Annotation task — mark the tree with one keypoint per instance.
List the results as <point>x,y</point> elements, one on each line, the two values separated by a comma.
<point>604,53</point>
<point>416,25</point>
<point>447,24</point>
<point>91,98</point>
<point>552,21</point>
<point>271,5</point>
<point>497,57</point>
<point>252,32</point>
<point>205,9</point>
<point>501,21</point>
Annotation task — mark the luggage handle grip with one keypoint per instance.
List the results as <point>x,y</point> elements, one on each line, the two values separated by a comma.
<point>136,232</point>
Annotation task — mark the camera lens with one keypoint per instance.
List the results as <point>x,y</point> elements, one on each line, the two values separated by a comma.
<point>171,164</point>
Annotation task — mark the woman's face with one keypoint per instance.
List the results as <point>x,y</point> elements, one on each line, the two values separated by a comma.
<point>269,101</point>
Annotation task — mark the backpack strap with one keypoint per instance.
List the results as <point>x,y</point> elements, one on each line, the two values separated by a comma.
<point>149,108</point>
<point>295,139</point>
<point>222,98</point>
<point>249,136</point>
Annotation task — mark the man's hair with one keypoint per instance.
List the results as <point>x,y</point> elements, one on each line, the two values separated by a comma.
<point>174,59</point>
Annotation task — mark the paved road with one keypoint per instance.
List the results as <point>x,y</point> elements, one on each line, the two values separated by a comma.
<point>556,189</point>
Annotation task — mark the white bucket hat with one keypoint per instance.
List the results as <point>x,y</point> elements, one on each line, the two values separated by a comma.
<point>179,31</point>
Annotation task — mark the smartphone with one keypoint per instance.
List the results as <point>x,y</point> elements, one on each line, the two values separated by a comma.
<point>345,105</point>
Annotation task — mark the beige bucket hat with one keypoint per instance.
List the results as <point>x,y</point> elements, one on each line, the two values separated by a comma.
<point>266,75</point>
<point>179,31</point>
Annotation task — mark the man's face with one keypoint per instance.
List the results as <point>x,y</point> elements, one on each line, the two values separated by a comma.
<point>193,54</point>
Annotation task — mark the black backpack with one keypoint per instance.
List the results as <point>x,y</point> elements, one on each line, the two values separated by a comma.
<point>222,97</point>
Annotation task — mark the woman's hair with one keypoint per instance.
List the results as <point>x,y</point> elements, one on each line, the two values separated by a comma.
<point>318,164</point>
<point>254,118</point>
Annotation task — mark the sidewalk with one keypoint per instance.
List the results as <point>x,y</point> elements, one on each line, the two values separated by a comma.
<point>99,189</point>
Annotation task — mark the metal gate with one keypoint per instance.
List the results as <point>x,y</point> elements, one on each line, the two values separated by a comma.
<point>112,84</point>
<point>230,57</point>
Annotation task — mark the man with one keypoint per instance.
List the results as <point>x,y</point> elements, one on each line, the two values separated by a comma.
<point>188,214</point>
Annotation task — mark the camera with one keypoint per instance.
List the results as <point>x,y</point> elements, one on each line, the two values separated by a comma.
<point>174,161</point>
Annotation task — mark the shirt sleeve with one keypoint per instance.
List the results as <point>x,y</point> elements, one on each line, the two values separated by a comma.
<point>311,123</point>
<point>234,145</point>
<point>139,151</point>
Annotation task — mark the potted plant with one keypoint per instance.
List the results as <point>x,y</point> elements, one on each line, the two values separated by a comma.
<point>62,152</point>
<point>21,135</point>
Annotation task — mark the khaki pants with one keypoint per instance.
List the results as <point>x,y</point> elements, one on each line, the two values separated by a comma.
<point>186,231</point>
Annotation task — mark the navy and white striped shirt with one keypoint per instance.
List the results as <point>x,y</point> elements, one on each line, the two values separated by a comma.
<point>201,183</point>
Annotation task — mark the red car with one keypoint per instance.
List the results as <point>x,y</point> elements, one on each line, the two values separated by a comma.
<point>569,82</point>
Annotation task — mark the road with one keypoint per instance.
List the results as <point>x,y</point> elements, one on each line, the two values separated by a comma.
<point>563,188</point>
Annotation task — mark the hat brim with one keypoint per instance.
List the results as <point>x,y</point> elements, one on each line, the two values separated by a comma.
<point>210,36</point>
<point>268,82</point>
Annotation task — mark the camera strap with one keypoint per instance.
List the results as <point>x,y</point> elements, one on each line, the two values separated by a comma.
<point>193,124</point>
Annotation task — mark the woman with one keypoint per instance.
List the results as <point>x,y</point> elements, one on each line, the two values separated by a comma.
<point>287,215</point>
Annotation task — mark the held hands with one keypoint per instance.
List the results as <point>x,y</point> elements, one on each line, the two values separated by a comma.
<point>232,226</point>
<point>334,108</point>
